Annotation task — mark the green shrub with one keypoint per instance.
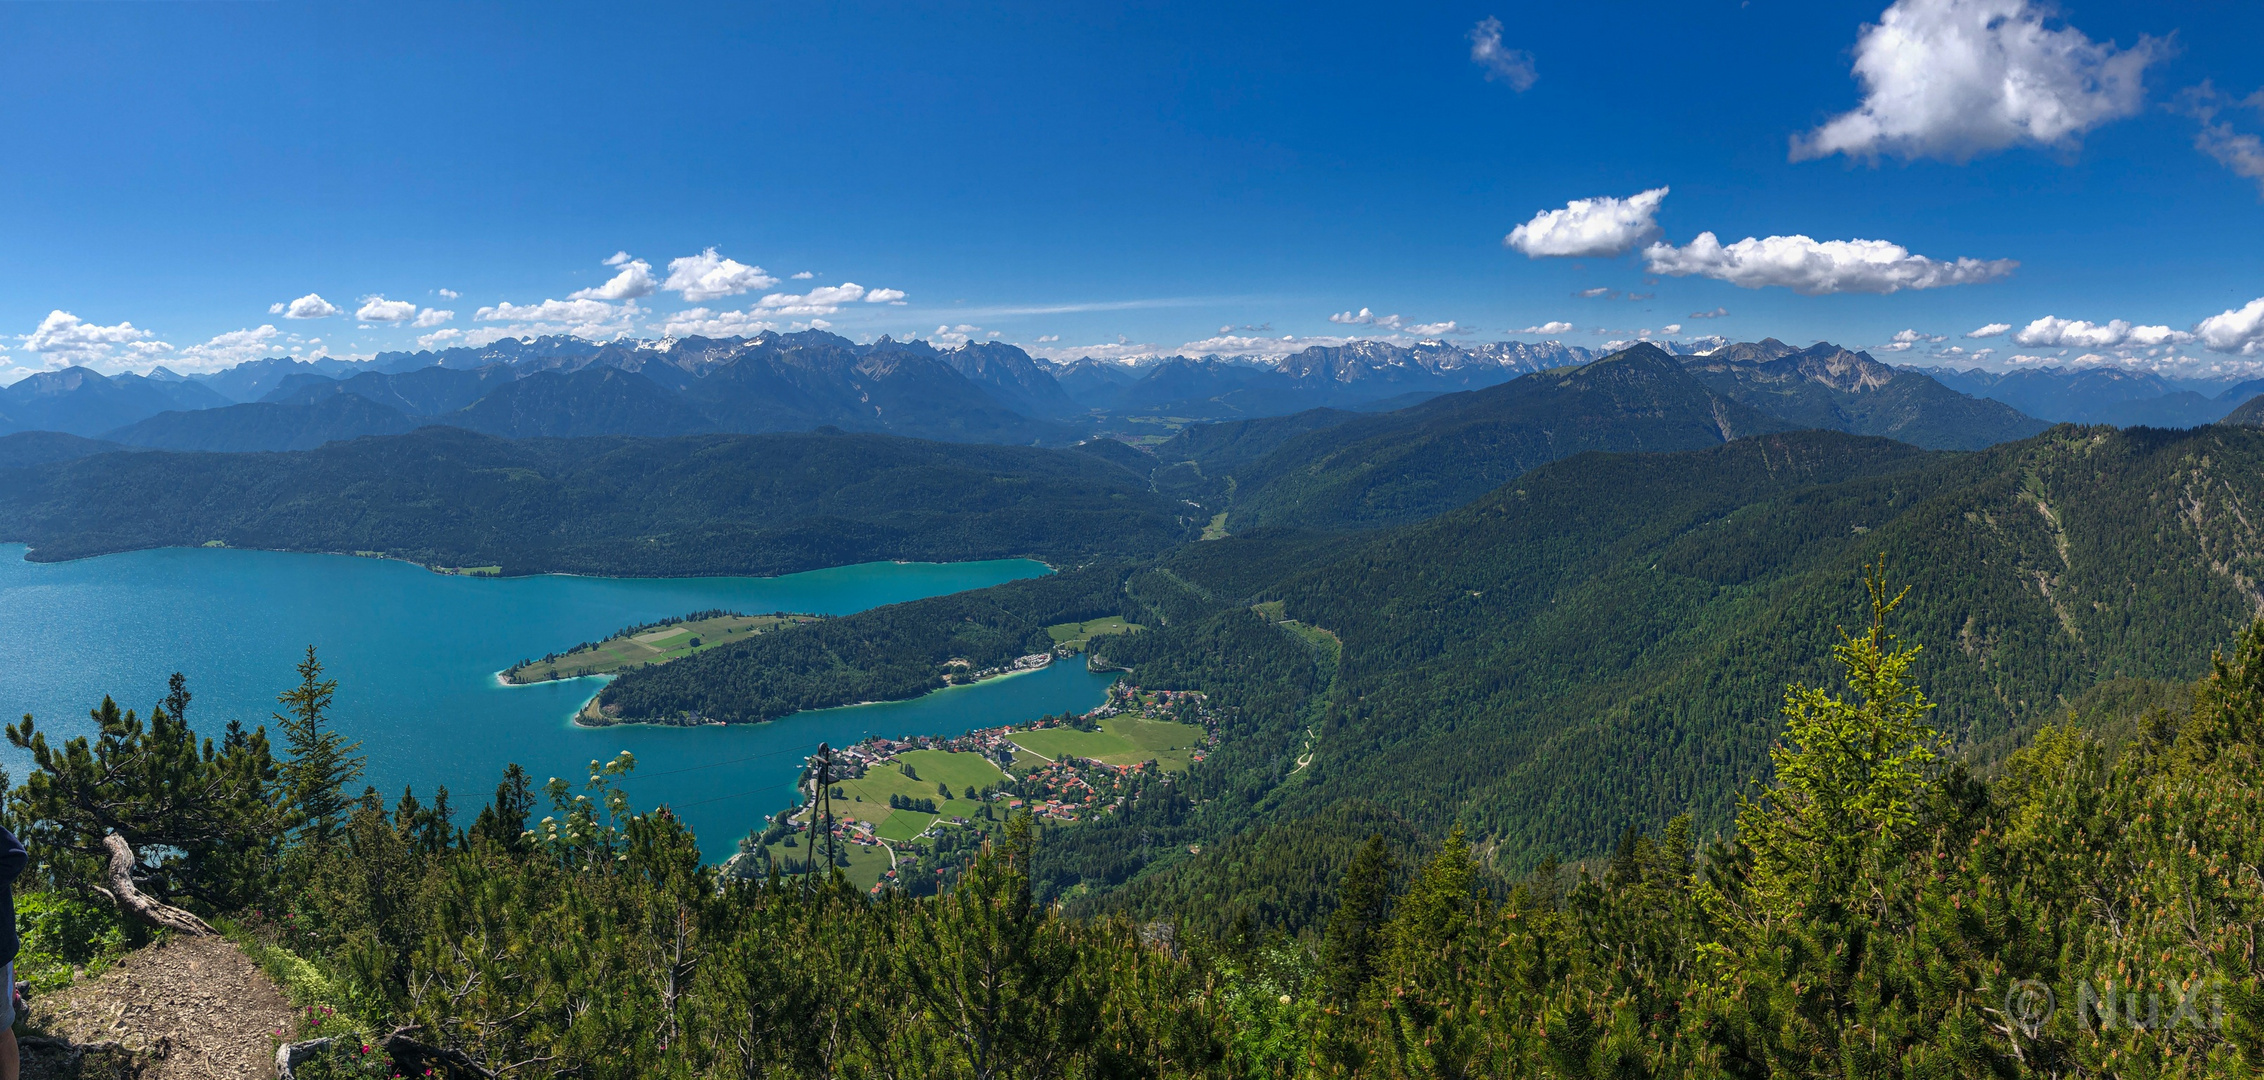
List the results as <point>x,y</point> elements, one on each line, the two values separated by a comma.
<point>62,936</point>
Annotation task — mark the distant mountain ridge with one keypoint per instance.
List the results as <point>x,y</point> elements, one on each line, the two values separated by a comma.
<point>1830,388</point>
<point>979,392</point>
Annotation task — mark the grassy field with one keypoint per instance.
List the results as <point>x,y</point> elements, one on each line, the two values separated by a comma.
<point>1122,740</point>
<point>866,799</point>
<point>1216,530</point>
<point>656,646</point>
<point>1076,634</point>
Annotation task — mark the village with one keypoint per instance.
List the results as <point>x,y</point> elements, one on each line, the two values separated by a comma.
<point>905,812</point>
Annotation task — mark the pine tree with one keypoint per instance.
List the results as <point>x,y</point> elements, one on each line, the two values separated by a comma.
<point>322,762</point>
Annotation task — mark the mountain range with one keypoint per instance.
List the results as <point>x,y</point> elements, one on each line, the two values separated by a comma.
<point>566,387</point>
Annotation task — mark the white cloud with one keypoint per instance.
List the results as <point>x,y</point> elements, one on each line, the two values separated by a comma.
<point>1817,268</point>
<point>2242,153</point>
<point>1952,79</point>
<point>1512,66</point>
<point>2050,332</point>
<point>1049,337</point>
<point>885,296</point>
<point>804,276</point>
<point>432,317</point>
<point>64,339</point>
<point>1671,328</point>
<point>449,294</point>
<point>823,300</point>
<point>1555,327</point>
<point>1714,314</point>
<point>309,306</point>
<point>439,338</point>
<point>1598,293</point>
<point>1991,330</point>
<point>377,309</point>
<point>2238,330</point>
<point>1602,226</point>
<point>957,335</point>
<point>593,319</point>
<point>700,322</point>
<point>233,347</point>
<point>1905,340</point>
<point>709,276</point>
<point>1365,317</point>
<point>634,280</point>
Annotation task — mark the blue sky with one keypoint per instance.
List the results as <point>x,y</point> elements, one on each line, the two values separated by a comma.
<point>1117,181</point>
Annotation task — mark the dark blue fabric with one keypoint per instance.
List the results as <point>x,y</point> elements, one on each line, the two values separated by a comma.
<point>13,859</point>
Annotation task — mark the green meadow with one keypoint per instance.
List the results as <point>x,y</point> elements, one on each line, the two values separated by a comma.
<point>1076,634</point>
<point>1121,740</point>
<point>866,798</point>
<point>654,646</point>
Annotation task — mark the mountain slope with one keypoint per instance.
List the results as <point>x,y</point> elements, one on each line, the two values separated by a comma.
<point>1402,466</point>
<point>1604,643</point>
<point>743,504</point>
<point>81,401</point>
<point>1825,386</point>
<point>264,426</point>
<point>592,401</point>
<point>45,447</point>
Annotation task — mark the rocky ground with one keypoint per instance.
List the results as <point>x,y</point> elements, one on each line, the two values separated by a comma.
<point>191,1008</point>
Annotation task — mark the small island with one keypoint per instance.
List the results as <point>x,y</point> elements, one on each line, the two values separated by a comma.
<point>648,644</point>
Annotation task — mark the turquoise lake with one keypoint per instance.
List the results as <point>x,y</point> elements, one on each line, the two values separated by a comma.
<point>415,655</point>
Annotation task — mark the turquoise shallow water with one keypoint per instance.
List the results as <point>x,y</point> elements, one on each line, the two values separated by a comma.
<point>415,654</point>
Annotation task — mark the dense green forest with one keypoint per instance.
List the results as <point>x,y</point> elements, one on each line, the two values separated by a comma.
<point>1877,910</point>
<point>885,654</point>
<point>744,504</point>
<point>1404,466</point>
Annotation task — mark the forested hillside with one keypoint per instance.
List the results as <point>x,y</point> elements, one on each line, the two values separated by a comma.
<point>885,654</point>
<point>750,504</point>
<point>1404,466</point>
<point>1876,910</point>
<point>1597,645</point>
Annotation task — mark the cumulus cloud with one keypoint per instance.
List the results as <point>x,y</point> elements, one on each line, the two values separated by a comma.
<point>1365,317</point>
<point>804,275</point>
<point>2239,330</point>
<point>823,300</point>
<point>231,348</point>
<point>310,306</point>
<point>2052,332</point>
<point>1714,314</point>
<point>635,280</point>
<point>377,309</point>
<point>1905,340</point>
<point>1044,338</point>
<point>1991,330</point>
<point>700,322</point>
<point>1953,79</point>
<point>709,276</point>
<point>432,317</point>
<point>1448,328</point>
<point>439,338</point>
<point>958,335</point>
<point>594,319</point>
<point>1556,327</point>
<point>1502,64</point>
<point>1818,268</point>
<point>2242,153</point>
<point>884,296</point>
<point>1602,226</point>
<point>64,339</point>
<point>449,294</point>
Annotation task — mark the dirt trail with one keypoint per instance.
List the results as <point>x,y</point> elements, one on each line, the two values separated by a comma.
<point>190,1009</point>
